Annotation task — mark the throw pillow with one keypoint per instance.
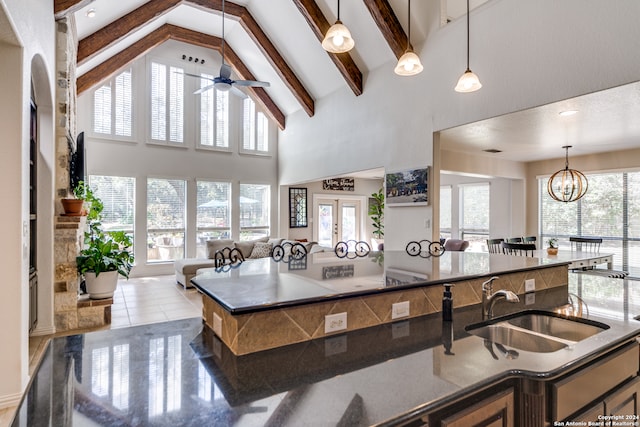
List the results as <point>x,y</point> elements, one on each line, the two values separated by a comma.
<point>261,250</point>
<point>246,246</point>
<point>217,244</point>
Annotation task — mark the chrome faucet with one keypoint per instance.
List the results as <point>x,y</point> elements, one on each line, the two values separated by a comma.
<point>489,298</point>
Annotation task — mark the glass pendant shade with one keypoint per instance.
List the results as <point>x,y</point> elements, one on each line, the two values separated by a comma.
<point>567,185</point>
<point>409,64</point>
<point>468,82</point>
<point>338,39</point>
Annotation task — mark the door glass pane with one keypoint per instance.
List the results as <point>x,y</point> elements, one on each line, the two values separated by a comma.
<point>349,231</point>
<point>165,219</point>
<point>325,225</point>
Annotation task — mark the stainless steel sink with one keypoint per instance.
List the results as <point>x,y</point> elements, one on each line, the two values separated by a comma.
<point>536,331</point>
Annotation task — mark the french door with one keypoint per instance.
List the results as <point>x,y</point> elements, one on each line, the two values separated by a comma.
<point>337,219</point>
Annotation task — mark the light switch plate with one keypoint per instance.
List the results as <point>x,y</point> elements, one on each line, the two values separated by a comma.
<point>335,322</point>
<point>529,299</point>
<point>399,310</point>
<point>530,285</point>
<point>217,325</point>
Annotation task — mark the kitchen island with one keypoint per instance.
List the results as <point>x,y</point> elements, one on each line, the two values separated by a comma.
<point>264,304</point>
<point>403,373</point>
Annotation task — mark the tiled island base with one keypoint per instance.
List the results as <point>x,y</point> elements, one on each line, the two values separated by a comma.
<point>276,327</point>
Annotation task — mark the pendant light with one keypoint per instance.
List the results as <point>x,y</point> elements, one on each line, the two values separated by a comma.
<point>567,185</point>
<point>409,63</point>
<point>468,82</point>
<point>338,38</point>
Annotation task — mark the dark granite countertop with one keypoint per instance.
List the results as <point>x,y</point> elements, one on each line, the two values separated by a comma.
<point>179,374</point>
<point>264,284</point>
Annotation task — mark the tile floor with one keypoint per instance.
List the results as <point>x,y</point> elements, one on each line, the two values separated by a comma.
<point>137,301</point>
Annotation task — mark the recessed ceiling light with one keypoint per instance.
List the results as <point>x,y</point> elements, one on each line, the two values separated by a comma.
<point>568,113</point>
<point>492,150</point>
<point>91,13</point>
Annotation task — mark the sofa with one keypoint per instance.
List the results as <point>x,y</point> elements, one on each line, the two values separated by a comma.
<point>187,268</point>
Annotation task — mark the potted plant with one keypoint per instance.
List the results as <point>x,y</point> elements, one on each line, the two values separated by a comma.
<point>376,213</point>
<point>553,246</point>
<point>105,255</point>
<point>74,206</point>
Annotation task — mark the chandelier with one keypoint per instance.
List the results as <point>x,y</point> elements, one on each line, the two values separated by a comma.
<point>567,185</point>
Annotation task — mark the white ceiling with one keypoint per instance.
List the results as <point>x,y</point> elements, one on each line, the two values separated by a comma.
<point>606,120</point>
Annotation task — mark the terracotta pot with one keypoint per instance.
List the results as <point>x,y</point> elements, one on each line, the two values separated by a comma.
<point>552,251</point>
<point>72,207</point>
<point>101,286</point>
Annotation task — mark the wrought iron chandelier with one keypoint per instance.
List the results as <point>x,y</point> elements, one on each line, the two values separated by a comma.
<point>567,185</point>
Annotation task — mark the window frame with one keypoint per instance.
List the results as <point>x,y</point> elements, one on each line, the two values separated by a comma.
<point>112,86</point>
<point>150,60</point>
<point>241,125</point>
<point>231,111</point>
<point>268,205</point>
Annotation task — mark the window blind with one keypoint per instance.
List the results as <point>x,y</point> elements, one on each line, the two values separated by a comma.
<point>102,109</point>
<point>123,104</point>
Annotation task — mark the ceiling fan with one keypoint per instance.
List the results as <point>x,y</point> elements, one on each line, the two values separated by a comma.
<point>224,82</point>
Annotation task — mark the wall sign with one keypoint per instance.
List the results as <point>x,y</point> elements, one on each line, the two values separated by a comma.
<point>340,184</point>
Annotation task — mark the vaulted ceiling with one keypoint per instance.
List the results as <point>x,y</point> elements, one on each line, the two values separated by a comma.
<point>276,40</point>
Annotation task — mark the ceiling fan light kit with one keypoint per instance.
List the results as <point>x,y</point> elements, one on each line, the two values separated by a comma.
<point>567,185</point>
<point>468,82</point>
<point>409,63</point>
<point>338,38</point>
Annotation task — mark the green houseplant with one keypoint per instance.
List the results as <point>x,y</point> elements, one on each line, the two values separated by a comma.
<point>553,246</point>
<point>376,213</point>
<point>75,206</point>
<point>105,255</point>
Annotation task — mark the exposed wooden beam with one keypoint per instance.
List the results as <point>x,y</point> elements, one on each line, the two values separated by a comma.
<point>109,67</point>
<point>388,24</point>
<point>107,36</point>
<point>62,8</point>
<point>343,61</point>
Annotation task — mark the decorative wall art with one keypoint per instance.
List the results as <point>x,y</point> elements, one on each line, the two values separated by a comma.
<point>407,188</point>
<point>297,207</point>
<point>340,184</point>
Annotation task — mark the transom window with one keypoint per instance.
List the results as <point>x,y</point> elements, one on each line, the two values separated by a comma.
<point>255,128</point>
<point>113,106</point>
<point>167,103</point>
<point>214,116</point>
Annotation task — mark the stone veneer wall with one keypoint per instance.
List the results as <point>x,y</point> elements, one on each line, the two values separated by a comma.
<point>69,312</point>
<point>249,333</point>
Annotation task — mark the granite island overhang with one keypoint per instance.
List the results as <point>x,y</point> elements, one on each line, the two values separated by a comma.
<point>263,304</point>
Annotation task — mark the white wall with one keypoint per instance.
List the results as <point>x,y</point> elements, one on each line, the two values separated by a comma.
<point>26,31</point>
<point>140,159</point>
<point>557,49</point>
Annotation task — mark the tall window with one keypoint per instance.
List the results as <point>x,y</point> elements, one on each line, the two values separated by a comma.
<point>165,219</point>
<point>610,210</point>
<point>214,213</point>
<point>214,116</point>
<point>445,211</point>
<point>167,103</point>
<point>118,196</point>
<point>254,211</point>
<point>113,106</point>
<point>255,128</point>
<point>474,214</point>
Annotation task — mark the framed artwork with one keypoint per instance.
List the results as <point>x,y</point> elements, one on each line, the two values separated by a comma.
<point>407,188</point>
<point>340,184</point>
<point>297,207</point>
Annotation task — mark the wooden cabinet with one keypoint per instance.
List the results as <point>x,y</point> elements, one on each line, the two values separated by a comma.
<point>495,411</point>
<point>624,401</point>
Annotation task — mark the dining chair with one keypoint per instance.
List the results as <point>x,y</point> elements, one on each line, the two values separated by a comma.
<point>587,244</point>
<point>521,249</point>
<point>493,245</point>
<point>514,240</point>
<point>529,239</point>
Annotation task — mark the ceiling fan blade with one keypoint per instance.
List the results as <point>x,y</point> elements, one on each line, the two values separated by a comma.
<point>253,83</point>
<point>194,75</point>
<point>204,89</point>
<point>237,92</point>
<point>225,71</point>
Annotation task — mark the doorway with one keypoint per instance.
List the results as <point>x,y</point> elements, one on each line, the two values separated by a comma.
<point>338,219</point>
